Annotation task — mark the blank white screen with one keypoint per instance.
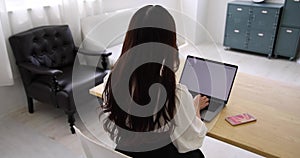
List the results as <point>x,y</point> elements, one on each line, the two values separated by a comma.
<point>209,78</point>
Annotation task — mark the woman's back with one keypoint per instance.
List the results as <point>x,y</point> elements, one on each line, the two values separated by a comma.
<point>140,93</point>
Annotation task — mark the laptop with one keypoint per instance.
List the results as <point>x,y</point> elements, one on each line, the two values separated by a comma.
<point>210,78</point>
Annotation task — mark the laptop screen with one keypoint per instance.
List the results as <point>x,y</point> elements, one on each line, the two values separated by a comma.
<point>207,77</point>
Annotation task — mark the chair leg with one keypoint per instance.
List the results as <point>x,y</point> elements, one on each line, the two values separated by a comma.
<point>30,104</point>
<point>71,121</point>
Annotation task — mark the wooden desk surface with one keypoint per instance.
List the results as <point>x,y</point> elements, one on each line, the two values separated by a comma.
<point>276,105</point>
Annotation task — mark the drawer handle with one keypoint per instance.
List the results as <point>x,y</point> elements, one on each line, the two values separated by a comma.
<point>239,9</point>
<point>289,31</point>
<point>264,11</point>
<point>236,31</point>
<point>260,34</point>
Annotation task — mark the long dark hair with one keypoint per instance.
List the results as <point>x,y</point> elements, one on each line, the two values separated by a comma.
<point>150,24</point>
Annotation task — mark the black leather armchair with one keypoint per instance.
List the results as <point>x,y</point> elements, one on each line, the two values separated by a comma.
<point>45,57</point>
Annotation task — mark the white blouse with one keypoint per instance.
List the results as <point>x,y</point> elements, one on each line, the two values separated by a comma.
<point>189,131</point>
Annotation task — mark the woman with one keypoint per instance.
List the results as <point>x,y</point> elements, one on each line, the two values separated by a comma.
<point>148,114</point>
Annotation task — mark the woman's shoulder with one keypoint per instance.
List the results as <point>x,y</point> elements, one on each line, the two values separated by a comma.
<point>181,88</point>
<point>182,91</point>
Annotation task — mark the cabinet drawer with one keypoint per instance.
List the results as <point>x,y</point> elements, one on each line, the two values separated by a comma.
<point>291,13</point>
<point>235,38</point>
<point>261,42</point>
<point>264,18</point>
<point>238,15</point>
<point>287,42</point>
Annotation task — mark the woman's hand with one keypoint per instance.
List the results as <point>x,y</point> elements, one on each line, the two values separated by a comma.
<point>200,102</point>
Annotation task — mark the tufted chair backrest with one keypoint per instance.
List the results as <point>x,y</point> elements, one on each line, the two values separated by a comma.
<point>50,46</point>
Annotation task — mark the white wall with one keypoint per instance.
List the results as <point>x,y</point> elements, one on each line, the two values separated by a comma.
<point>113,5</point>
<point>189,18</point>
<point>202,13</point>
<point>216,17</point>
<point>195,15</point>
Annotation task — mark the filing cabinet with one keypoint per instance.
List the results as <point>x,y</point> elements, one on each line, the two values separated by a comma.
<point>252,27</point>
<point>291,13</point>
<point>288,39</point>
<point>236,26</point>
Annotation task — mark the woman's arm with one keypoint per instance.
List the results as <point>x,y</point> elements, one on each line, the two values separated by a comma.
<point>189,131</point>
<point>200,102</point>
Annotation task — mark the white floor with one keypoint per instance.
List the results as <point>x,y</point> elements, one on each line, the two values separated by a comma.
<point>213,148</point>
<point>46,133</point>
<point>18,140</point>
<point>275,69</point>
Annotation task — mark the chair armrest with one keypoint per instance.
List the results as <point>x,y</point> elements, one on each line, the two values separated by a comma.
<point>40,70</point>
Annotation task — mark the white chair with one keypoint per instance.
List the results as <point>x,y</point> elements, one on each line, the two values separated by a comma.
<point>93,149</point>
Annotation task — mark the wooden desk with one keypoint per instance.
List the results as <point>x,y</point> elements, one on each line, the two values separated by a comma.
<point>276,105</point>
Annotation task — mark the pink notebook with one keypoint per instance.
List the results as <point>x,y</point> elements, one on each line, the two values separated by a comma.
<point>240,119</point>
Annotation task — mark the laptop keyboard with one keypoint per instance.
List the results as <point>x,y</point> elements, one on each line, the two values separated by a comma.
<point>213,105</point>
